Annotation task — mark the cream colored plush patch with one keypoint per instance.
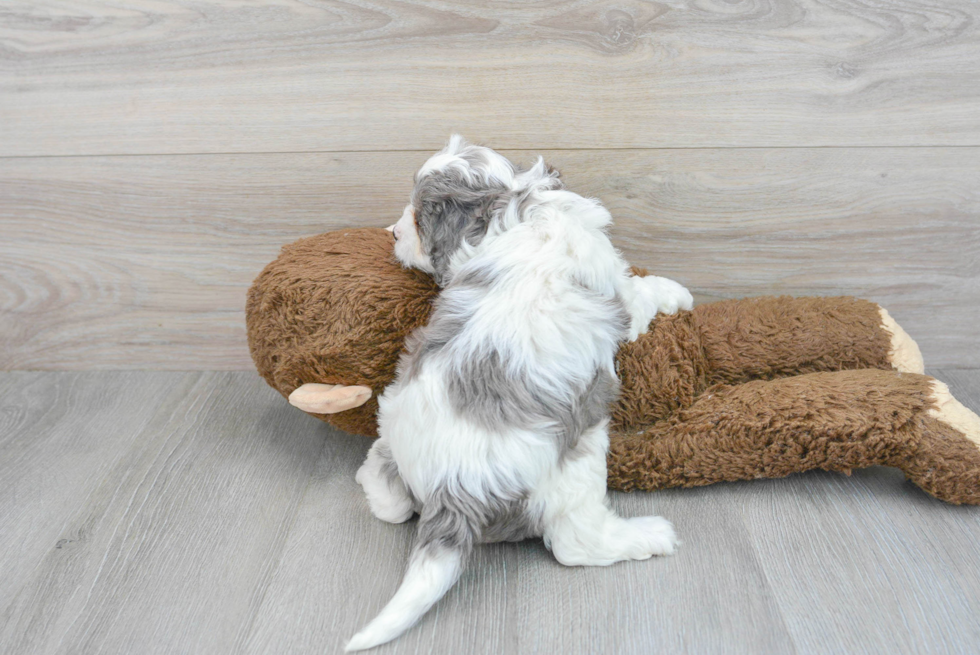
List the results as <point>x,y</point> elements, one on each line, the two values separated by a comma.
<point>904,355</point>
<point>328,398</point>
<point>953,413</point>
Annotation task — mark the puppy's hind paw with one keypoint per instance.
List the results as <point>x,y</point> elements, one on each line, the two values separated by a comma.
<point>387,496</point>
<point>651,535</point>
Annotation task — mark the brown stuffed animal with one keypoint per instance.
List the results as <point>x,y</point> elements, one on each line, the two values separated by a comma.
<point>732,390</point>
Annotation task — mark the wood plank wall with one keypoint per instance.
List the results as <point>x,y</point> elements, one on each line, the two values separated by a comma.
<point>154,154</point>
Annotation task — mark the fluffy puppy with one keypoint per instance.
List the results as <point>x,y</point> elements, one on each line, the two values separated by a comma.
<point>496,425</point>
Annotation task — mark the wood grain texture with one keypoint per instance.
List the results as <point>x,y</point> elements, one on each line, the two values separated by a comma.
<point>48,431</point>
<point>170,538</point>
<point>160,76</point>
<point>854,546</point>
<point>198,513</point>
<point>143,262</point>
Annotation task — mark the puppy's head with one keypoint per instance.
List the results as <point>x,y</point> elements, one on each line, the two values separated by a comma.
<point>457,193</point>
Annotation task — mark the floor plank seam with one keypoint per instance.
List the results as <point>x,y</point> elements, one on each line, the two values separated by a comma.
<point>427,151</point>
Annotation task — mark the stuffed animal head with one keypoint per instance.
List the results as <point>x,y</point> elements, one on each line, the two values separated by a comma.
<point>335,309</point>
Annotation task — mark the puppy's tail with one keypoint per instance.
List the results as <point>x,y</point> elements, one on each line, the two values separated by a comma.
<point>445,541</point>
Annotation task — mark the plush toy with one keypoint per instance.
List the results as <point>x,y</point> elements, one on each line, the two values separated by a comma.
<point>732,390</point>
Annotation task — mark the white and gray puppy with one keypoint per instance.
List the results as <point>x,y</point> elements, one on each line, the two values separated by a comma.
<point>496,425</point>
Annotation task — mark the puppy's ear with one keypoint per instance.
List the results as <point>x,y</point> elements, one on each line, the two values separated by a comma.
<point>451,222</point>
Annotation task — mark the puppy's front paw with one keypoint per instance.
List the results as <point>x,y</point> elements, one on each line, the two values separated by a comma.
<point>663,296</point>
<point>651,535</point>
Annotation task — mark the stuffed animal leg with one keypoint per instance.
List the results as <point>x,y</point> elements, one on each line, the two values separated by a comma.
<point>735,341</point>
<point>834,421</point>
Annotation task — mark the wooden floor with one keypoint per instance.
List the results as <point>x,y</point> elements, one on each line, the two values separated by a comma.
<point>164,512</point>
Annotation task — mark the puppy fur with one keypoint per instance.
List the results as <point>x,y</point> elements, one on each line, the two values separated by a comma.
<point>496,425</point>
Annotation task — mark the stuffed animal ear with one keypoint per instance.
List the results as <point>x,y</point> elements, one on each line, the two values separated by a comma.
<point>328,398</point>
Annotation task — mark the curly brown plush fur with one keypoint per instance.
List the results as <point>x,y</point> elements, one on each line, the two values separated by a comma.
<point>729,391</point>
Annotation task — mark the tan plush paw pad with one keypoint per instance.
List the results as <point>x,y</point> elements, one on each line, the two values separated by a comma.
<point>328,398</point>
<point>953,413</point>
<point>904,355</point>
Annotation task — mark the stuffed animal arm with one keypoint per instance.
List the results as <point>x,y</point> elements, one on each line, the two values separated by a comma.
<point>904,355</point>
<point>318,398</point>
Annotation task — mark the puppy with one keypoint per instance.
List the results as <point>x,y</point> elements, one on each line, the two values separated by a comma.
<point>496,425</point>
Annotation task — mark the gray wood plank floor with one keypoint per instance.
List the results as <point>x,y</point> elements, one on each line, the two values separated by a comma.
<point>164,512</point>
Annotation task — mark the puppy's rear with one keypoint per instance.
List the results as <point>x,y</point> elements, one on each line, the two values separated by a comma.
<point>496,423</point>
